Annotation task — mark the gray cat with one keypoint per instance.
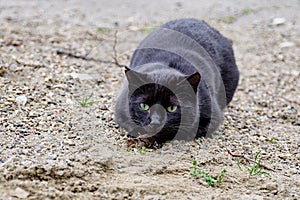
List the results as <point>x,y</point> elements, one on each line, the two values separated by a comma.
<point>180,79</point>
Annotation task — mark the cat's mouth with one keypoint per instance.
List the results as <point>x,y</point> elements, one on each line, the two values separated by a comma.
<point>153,129</point>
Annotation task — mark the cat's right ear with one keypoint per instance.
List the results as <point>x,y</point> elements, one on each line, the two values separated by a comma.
<point>132,75</point>
<point>126,69</point>
<point>135,78</point>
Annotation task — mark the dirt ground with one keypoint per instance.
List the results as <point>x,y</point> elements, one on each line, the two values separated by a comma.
<point>51,147</point>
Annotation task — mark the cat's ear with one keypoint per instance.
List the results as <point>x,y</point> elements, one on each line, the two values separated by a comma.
<point>126,69</point>
<point>135,78</point>
<point>193,79</point>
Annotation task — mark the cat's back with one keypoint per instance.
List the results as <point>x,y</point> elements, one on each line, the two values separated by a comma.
<point>208,37</point>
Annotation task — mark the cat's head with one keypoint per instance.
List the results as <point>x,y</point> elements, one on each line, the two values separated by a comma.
<point>157,101</point>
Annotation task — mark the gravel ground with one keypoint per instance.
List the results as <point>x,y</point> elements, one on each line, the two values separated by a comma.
<point>51,147</point>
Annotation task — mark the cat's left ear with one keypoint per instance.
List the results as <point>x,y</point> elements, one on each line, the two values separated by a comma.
<point>194,80</point>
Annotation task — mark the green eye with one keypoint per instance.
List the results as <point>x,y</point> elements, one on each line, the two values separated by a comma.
<point>144,106</point>
<point>171,108</point>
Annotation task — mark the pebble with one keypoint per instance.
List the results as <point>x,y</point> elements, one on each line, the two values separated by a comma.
<point>20,193</point>
<point>69,142</point>
<point>52,156</point>
<point>271,186</point>
<point>286,44</point>
<point>278,21</point>
<point>11,99</point>
<point>72,136</point>
<point>69,101</point>
<point>285,156</point>
<point>21,100</point>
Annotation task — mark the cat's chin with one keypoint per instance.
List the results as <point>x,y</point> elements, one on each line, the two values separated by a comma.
<point>149,131</point>
<point>141,133</point>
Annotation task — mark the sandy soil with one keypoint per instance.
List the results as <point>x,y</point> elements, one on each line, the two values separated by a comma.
<point>51,147</point>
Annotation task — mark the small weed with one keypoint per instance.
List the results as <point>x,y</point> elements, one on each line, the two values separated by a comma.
<point>194,171</point>
<point>148,29</point>
<point>247,11</point>
<point>86,101</point>
<point>213,181</point>
<point>239,164</point>
<point>209,179</point>
<point>229,19</point>
<point>142,149</point>
<point>103,30</point>
<point>255,169</point>
<point>272,140</point>
<point>139,149</point>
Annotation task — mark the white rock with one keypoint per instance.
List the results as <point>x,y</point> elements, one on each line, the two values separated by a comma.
<point>69,101</point>
<point>74,75</point>
<point>21,100</point>
<point>278,21</point>
<point>286,44</point>
<point>20,193</point>
<point>79,76</point>
<point>133,28</point>
<point>83,77</point>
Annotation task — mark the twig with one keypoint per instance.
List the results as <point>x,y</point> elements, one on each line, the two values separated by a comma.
<point>249,160</point>
<point>283,98</point>
<point>115,51</point>
<point>115,56</point>
<point>72,55</point>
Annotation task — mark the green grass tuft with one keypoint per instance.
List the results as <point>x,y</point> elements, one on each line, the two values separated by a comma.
<point>272,140</point>
<point>103,30</point>
<point>86,101</point>
<point>148,29</point>
<point>256,168</point>
<point>228,19</point>
<point>247,11</point>
<point>209,179</point>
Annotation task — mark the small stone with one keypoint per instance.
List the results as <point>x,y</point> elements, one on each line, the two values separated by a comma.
<point>83,77</point>
<point>133,28</point>
<point>20,193</point>
<point>60,86</point>
<point>280,57</point>
<point>286,44</point>
<point>285,156</point>
<point>11,99</point>
<point>247,146</point>
<point>21,100</point>
<point>248,122</point>
<point>103,107</point>
<point>52,156</point>
<point>271,186</point>
<point>69,142</point>
<point>32,114</point>
<point>72,136</point>
<point>278,21</point>
<point>69,101</point>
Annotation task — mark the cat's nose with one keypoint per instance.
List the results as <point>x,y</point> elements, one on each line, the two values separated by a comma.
<point>157,117</point>
<point>155,120</point>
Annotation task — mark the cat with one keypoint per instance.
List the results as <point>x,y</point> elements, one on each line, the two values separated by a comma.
<point>180,79</point>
